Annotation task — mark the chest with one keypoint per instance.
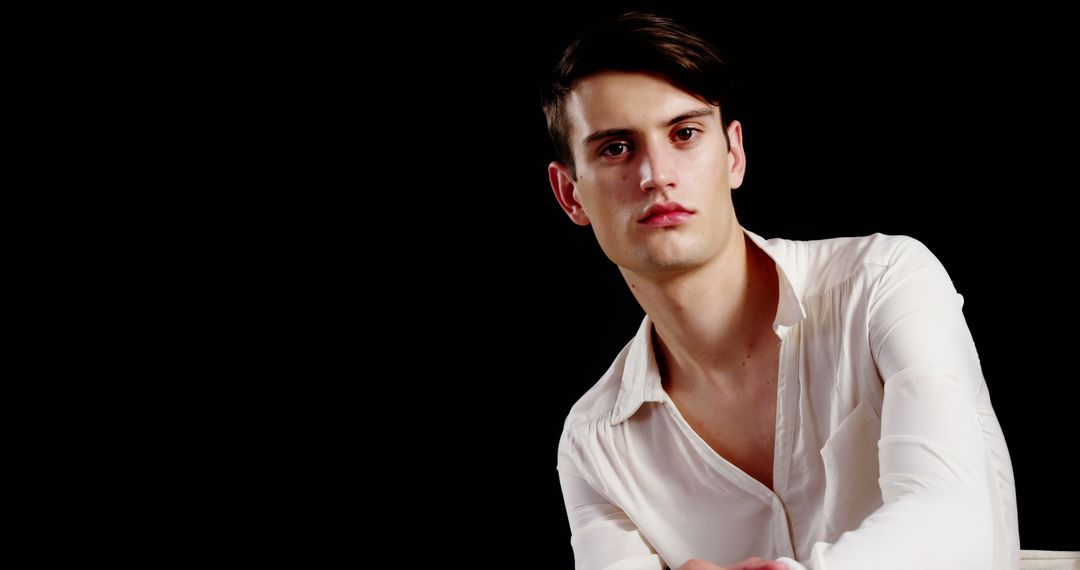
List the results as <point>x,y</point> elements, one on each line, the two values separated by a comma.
<point>738,424</point>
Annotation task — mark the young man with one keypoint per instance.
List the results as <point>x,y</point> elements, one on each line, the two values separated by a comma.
<point>819,404</point>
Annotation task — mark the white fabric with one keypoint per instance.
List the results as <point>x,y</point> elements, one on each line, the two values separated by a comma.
<point>888,453</point>
<point>1049,560</point>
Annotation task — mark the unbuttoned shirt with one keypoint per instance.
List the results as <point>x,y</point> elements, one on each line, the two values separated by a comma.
<point>887,451</point>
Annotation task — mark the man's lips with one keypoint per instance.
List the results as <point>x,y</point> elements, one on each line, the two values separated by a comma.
<point>673,218</point>
<point>668,213</point>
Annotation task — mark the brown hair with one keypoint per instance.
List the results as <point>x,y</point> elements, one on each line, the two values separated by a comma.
<point>635,41</point>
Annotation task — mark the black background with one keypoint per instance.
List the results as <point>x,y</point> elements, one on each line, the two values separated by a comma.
<point>952,128</point>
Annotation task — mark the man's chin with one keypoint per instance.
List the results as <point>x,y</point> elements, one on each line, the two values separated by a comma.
<point>669,264</point>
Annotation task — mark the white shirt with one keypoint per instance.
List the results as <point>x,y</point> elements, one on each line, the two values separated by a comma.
<point>887,454</point>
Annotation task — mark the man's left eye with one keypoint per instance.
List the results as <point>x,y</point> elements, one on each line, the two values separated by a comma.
<point>685,134</point>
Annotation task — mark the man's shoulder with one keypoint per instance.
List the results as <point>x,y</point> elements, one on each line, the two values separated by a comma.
<point>875,248</point>
<point>598,402</point>
<point>835,260</point>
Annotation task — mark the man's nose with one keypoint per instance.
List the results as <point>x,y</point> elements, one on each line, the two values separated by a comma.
<point>657,169</point>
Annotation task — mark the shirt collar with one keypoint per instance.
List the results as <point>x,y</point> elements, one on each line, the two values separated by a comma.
<point>641,375</point>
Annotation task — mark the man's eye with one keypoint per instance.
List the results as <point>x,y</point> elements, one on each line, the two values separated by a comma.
<point>686,133</point>
<point>615,149</point>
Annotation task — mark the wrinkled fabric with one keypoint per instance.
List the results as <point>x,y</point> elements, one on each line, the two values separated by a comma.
<point>887,453</point>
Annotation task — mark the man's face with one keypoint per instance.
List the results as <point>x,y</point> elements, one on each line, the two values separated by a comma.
<point>639,141</point>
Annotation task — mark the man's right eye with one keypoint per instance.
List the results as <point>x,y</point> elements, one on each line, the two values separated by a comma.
<point>615,149</point>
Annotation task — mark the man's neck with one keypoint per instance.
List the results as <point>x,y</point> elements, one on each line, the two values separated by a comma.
<point>710,323</point>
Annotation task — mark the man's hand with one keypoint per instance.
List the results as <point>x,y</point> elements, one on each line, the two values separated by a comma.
<point>754,563</point>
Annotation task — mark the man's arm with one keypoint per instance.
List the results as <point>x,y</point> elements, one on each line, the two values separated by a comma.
<point>937,510</point>
<point>605,538</point>
<point>602,535</point>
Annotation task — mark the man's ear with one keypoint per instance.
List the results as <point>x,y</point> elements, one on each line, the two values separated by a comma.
<point>563,185</point>
<point>736,155</point>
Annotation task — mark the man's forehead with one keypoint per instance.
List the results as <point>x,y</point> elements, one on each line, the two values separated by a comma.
<point>622,100</point>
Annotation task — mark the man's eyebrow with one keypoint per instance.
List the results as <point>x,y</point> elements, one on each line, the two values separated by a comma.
<point>608,133</point>
<point>689,115</point>
<point>703,112</point>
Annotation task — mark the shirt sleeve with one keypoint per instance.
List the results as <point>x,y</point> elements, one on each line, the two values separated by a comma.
<point>602,536</point>
<point>936,510</point>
